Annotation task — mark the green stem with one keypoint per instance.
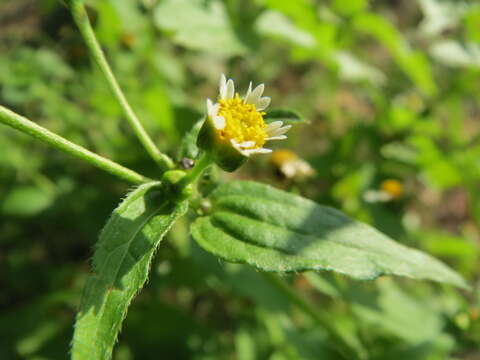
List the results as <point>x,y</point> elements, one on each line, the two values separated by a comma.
<point>324,321</point>
<point>26,126</point>
<point>81,19</point>
<point>200,165</point>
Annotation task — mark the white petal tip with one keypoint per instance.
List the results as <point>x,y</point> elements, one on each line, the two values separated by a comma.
<point>263,103</point>
<point>275,124</point>
<point>280,137</point>
<point>230,89</point>
<point>219,122</point>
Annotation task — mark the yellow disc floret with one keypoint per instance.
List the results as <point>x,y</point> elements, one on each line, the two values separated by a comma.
<point>242,122</point>
<point>392,187</point>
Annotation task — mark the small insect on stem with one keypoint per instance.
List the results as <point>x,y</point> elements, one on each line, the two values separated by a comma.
<point>187,163</point>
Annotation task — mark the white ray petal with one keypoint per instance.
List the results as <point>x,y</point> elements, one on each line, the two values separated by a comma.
<point>255,95</point>
<point>279,137</point>
<point>230,92</point>
<point>263,103</point>
<point>209,106</point>
<point>244,152</point>
<point>284,129</point>
<point>212,109</point>
<point>215,109</point>
<point>249,90</point>
<point>219,122</point>
<point>236,145</point>
<point>223,80</point>
<point>247,144</point>
<point>256,151</point>
<point>274,132</point>
<point>274,125</point>
<point>278,131</point>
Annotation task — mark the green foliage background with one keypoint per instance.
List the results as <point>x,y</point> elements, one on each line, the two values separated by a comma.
<point>391,91</point>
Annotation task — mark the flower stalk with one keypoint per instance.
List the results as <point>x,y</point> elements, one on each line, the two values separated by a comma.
<point>81,19</point>
<point>28,127</point>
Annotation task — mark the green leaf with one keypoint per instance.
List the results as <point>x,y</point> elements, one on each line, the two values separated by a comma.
<point>348,8</point>
<point>199,25</point>
<point>391,310</point>
<point>273,230</point>
<point>26,201</point>
<point>121,263</point>
<point>413,63</point>
<point>288,116</point>
<point>472,23</point>
<point>277,25</point>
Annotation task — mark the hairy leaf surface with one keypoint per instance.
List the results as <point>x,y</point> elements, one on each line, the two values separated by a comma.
<point>121,263</point>
<point>273,230</point>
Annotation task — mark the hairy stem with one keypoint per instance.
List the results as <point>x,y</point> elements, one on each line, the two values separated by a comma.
<point>324,321</point>
<point>26,126</point>
<point>81,19</point>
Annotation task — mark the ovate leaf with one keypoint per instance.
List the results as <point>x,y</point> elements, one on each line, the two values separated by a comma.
<point>121,263</point>
<point>273,230</point>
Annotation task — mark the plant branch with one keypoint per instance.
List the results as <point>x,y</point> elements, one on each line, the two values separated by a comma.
<point>324,321</point>
<point>26,126</point>
<point>81,19</point>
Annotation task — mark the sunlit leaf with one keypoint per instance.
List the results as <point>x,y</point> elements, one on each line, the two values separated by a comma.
<point>353,69</point>
<point>277,25</point>
<point>277,231</point>
<point>455,54</point>
<point>121,263</point>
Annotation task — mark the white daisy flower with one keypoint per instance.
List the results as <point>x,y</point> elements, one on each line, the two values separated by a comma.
<point>240,122</point>
<point>291,165</point>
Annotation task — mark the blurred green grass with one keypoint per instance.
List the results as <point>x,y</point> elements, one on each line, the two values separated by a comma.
<point>391,90</point>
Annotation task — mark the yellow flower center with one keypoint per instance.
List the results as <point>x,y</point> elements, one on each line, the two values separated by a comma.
<point>393,187</point>
<point>242,122</point>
